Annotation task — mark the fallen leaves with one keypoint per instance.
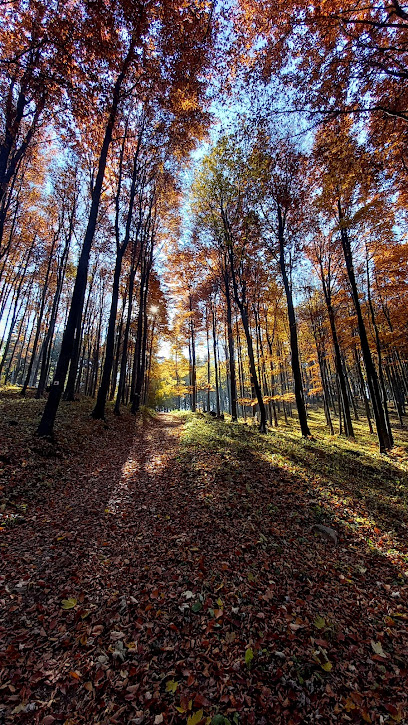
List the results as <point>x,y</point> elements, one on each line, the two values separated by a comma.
<point>171,686</point>
<point>195,718</point>
<point>377,648</point>
<point>249,656</point>
<point>69,603</point>
<point>224,614</point>
<point>319,622</point>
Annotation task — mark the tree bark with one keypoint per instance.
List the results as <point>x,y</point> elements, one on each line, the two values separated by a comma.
<point>385,442</point>
<point>46,426</point>
<point>294,347</point>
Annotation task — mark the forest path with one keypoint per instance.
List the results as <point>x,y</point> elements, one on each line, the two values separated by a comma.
<point>195,585</point>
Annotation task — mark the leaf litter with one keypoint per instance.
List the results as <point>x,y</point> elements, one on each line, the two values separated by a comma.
<point>198,598</point>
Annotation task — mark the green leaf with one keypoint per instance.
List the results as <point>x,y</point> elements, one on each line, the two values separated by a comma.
<point>197,607</point>
<point>195,718</point>
<point>69,603</point>
<point>377,647</point>
<point>249,656</point>
<point>319,622</point>
<point>326,666</point>
<point>218,720</point>
<point>171,686</point>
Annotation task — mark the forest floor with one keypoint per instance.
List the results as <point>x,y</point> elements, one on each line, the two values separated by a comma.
<point>171,570</point>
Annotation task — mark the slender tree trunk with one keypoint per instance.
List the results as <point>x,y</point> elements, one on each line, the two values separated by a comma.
<point>15,301</point>
<point>385,442</point>
<point>17,340</point>
<point>240,370</point>
<point>252,367</point>
<point>123,362</point>
<point>208,360</point>
<point>46,426</point>
<point>141,367</point>
<point>117,352</point>
<point>193,368</point>
<point>348,425</point>
<point>231,351</point>
<point>99,409</point>
<point>40,316</point>
<point>217,388</point>
<point>294,347</point>
<point>320,359</point>
<point>269,341</point>
<point>379,355</point>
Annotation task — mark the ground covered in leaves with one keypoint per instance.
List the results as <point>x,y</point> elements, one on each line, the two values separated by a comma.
<point>172,570</point>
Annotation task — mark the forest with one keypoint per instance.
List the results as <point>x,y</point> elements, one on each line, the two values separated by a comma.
<point>203,362</point>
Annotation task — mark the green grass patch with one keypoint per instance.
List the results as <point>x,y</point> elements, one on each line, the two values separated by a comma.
<point>349,482</point>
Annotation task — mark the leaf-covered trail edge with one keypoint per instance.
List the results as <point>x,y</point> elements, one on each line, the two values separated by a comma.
<point>195,584</point>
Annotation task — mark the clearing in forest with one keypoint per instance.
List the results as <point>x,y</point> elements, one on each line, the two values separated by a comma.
<point>176,573</point>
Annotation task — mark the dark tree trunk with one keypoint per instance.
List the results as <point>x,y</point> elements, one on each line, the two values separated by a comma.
<point>385,442</point>
<point>142,364</point>
<point>40,315</point>
<point>363,392</point>
<point>208,360</point>
<point>15,308</point>
<point>193,366</point>
<point>217,387</point>
<point>231,351</point>
<point>74,375</point>
<point>317,335</point>
<point>123,362</point>
<point>379,355</point>
<point>99,409</point>
<point>46,426</point>
<point>46,351</point>
<point>348,425</point>
<point>294,347</point>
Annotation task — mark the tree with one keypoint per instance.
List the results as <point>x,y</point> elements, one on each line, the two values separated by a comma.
<point>347,185</point>
<point>224,208</point>
<point>151,54</point>
<point>282,195</point>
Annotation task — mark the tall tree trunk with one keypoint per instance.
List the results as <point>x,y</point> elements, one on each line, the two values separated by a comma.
<point>207,330</point>
<point>231,351</point>
<point>46,426</point>
<point>320,357</point>
<point>217,386</point>
<point>124,357</point>
<point>294,347</point>
<point>269,341</point>
<point>16,300</point>
<point>240,369</point>
<point>141,367</point>
<point>40,315</point>
<point>46,351</point>
<point>348,425</point>
<point>379,355</point>
<point>193,367</point>
<point>99,409</point>
<point>385,442</point>
<point>74,375</point>
<point>17,339</point>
